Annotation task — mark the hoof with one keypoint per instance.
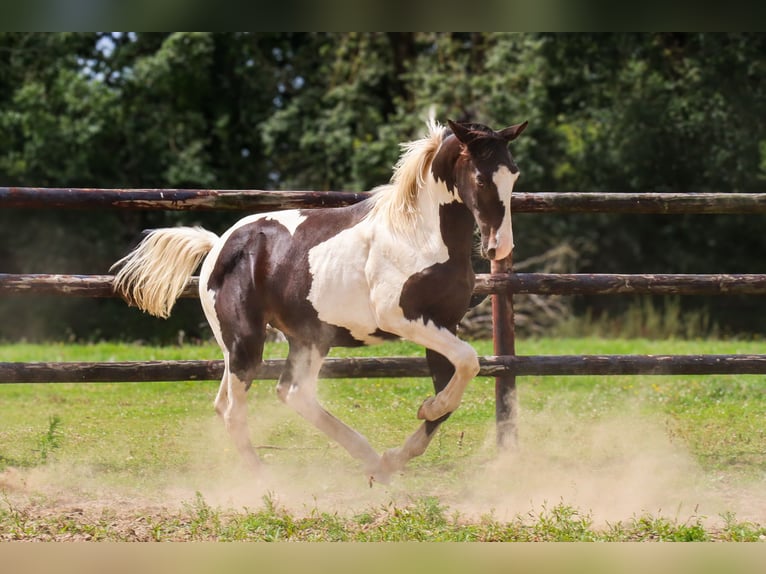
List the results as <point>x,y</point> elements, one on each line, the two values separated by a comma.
<point>387,465</point>
<point>379,477</point>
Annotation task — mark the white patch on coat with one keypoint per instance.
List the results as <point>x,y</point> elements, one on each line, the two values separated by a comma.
<point>363,269</point>
<point>504,181</point>
<point>291,219</point>
<point>339,290</point>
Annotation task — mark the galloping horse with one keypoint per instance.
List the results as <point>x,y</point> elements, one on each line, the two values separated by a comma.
<point>396,265</point>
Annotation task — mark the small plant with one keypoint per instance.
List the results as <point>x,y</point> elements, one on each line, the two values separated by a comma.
<point>738,531</point>
<point>563,523</point>
<point>661,529</point>
<point>15,521</point>
<point>50,440</point>
<point>204,520</point>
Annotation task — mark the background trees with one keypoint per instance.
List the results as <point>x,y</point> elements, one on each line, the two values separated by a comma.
<point>617,112</point>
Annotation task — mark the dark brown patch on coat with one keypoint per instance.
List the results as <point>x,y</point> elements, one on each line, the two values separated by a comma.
<point>441,373</point>
<point>444,166</point>
<point>262,276</point>
<point>441,293</point>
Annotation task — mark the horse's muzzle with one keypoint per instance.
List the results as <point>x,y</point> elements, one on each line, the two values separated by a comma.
<point>495,249</point>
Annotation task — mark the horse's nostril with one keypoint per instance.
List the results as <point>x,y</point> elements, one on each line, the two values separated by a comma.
<point>491,253</point>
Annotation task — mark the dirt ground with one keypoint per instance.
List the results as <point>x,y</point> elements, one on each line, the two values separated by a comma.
<point>614,470</point>
<point>37,508</point>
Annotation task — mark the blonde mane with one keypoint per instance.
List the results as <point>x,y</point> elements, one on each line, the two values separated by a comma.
<point>397,201</point>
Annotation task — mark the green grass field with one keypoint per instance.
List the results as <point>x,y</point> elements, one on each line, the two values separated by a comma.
<point>600,458</point>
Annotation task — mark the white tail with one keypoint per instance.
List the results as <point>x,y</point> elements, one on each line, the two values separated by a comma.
<point>155,273</point>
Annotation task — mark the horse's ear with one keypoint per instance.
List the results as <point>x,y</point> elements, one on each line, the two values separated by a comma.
<point>464,134</point>
<point>511,133</point>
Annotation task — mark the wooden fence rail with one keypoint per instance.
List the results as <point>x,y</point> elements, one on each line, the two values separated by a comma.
<point>486,284</point>
<point>256,201</point>
<point>388,367</point>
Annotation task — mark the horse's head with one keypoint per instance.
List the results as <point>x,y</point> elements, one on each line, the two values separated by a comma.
<point>483,173</point>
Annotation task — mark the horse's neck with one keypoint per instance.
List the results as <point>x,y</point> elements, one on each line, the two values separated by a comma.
<point>445,218</point>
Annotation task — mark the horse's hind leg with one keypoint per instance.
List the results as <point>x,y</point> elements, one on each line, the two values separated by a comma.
<point>240,331</point>
<point>297,388</point>
<point>222,398</point>
<point>231,402</point>
<point>235,419</point>
<point>395,459</point>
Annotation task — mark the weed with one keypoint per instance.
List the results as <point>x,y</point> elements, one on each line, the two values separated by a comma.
<point>563,523</point>
<point>660,529</point>
<point>15,521</point>
<point>736,531</point>
<point>50,440</point>
<point>204,520</point>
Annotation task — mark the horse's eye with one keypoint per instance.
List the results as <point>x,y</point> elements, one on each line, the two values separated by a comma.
<point>480,181</point>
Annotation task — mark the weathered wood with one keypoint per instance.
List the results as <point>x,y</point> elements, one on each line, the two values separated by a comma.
<point>252,201</point>
<point>543,365</point>
<point>516,283</point>
<point>369,367</point>
<point>255,201</point>
<point>50,284</point>
<point>73,285</point>
<point>144,371</point>
<point>504,342</point>
<point>658,203</point>
<point>127,371</point>
<point>622,284</point>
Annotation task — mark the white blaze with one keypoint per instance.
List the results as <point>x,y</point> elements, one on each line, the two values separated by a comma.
<point>504,181</point>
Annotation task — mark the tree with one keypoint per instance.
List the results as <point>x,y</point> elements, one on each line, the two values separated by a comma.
<point>616,112</point>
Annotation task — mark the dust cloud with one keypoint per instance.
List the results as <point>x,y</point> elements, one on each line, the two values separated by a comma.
<point>611,467</point>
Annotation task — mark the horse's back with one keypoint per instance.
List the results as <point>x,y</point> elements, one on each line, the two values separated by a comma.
<point>301,271</point>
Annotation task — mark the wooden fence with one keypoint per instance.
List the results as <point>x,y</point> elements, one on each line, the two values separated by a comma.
<point>501,283</point>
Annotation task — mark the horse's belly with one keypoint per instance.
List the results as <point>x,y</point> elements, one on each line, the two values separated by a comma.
<point>345,305</point>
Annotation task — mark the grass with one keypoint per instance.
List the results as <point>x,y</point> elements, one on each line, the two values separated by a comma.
<point>619,437</point>
<point>643,317</point>
<point>424,519</point>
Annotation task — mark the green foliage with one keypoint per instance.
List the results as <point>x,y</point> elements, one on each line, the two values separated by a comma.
<point>607,112</point>
<point>660,529</point>
<point>562,523</point>
<point>200,521</point>
<point>644,317</point>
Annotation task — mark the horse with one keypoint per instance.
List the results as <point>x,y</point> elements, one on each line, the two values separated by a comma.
<point>395,265</point>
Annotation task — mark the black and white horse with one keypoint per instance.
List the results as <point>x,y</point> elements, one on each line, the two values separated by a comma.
<point>396,265</point>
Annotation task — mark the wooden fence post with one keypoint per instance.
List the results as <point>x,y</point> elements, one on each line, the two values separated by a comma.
<point>503,336</point>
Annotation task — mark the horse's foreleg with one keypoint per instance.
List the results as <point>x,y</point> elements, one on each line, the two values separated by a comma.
<point>441,340</point>
<point>297,388</point>
<point>465,361</point>
<point>461,356</point>
<point>395,459</point>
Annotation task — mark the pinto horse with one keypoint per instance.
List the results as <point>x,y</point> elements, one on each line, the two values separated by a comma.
<point>396,265</point>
